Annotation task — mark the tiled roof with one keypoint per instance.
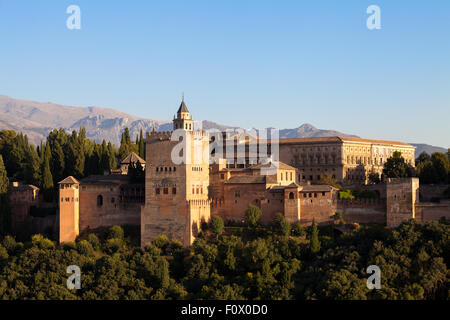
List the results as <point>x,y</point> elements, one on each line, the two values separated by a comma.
<point>182,108</point>
<point>99,183</point>
<point>132,158</point>
<point>247,180</point>
<point>108,180</point>
<point>341,139</point>
<point>24,187</point>
<point>69,180</point>
<point>352,139</point>
<point>317,188</point>
<point>278,164</point>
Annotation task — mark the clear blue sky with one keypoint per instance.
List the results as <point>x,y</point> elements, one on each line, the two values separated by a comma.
<point>245,63</point>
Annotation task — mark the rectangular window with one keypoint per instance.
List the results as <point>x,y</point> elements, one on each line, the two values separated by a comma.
<point>166,190</point>
<point>174,190</point>
<point>158,191</point>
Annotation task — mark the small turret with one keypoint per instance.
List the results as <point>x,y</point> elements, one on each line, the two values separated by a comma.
<point>183,119</point>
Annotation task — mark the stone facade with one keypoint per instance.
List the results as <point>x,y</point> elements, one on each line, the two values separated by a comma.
<point>401,197</point>
<point>97,201</point>
<point>69,209</point>
<point>349,160</point>
<point>23,198</point>
<point>176,198</point>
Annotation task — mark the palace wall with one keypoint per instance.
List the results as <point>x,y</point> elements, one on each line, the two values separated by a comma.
<point>363,210</point>
<point>430,211</point>
<point>103,206</point>
<point>320,206</point>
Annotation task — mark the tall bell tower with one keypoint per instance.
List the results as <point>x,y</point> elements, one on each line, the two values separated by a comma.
<point>183,119</point>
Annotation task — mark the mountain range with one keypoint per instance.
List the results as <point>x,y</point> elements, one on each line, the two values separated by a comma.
<point>37,119</point>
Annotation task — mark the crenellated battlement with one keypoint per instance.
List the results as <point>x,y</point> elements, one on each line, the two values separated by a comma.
<point>153,136</point>
<point>364,202</point>
<point>158,136</point>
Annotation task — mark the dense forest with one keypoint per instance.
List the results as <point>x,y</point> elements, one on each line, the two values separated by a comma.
<point>235,262</point>
<point>62,155</point>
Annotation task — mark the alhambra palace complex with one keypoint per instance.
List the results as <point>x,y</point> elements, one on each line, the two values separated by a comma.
<point>176,198</point>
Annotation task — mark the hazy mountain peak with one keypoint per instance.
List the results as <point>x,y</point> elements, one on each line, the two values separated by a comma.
<point>37,119</point>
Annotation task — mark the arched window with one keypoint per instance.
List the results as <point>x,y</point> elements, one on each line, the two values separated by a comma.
<point>291,195</point>
<point>99,200</point>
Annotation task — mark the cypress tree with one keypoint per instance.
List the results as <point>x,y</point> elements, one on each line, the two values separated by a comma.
<point>47,179</point>
<point>57,162</point>
<point>104,157</point>
<point>314,243</point>
<point>141,145</point>
<point>5,208</point>
<point>125,144</point>
<point>32,169</point>
<point>112,154</point>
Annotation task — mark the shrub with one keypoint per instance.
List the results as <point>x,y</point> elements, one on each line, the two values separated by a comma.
<point>299,230</point>
<point>217,225</point>
<point>84,247</point>
<point>3,254</point>
<point>9,243</point>
<point>115,232</point>
<point>113,245</point>
<point>281,225</point>
<point>252,215</point>
<point>161,242</point>
<point>152,249</point>
<point>39,241</point>
<point>94,241</point>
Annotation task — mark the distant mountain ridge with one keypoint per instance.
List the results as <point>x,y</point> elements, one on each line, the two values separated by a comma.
<point>307,130</point>
<point>37,119</point>
<point>421,147</point>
